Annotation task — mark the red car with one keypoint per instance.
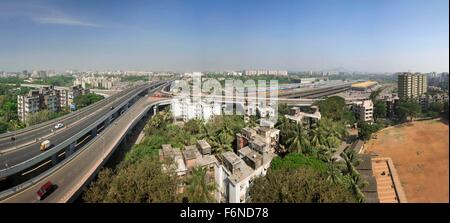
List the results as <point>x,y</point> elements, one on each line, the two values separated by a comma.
<point>45,190</point>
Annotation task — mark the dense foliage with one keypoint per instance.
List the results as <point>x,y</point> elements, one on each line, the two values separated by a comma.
<point>9,120</point>
<point>87,99</point>
<point>366,130</point>
<point>42,116</point>
<point>408,108</point>
<point>334,107</point>
<point>134,78</point>
<point>297,160</point>
<point>141,182</point>
<point>58,80</point>
<point>301,185</point>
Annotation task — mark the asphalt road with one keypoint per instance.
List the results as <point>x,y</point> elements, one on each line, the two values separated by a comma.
<point>26,152</point>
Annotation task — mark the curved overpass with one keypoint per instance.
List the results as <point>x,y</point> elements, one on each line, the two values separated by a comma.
<point>21,164</point>
<point>72,175</point>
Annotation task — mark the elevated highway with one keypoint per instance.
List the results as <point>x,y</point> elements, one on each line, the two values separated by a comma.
<point>20,164</point>
<point>76,172</point>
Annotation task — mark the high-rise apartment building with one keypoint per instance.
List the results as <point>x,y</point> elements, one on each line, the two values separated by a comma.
<point>411,85</point>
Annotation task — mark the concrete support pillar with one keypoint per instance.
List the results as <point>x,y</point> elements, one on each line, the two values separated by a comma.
<point>70,149</point>
<point>54,159</point>
<point>94,132</point>
<point>155,109</point>
<point>108,121</point>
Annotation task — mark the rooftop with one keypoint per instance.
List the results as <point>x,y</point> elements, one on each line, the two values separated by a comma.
<point>191,152</point>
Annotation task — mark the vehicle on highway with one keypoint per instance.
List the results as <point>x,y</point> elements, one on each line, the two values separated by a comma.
<point>59,125</point>
<point>45,190</point>
<point>45,145</point>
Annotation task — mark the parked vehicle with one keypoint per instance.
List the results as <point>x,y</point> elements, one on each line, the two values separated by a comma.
<point>59,125</point>
<point>45,190</point>
<point>45,145</point>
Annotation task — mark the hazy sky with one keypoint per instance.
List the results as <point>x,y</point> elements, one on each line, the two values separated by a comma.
<point>188,35</point>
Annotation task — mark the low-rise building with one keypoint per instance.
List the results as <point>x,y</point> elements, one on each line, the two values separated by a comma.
<point>184,161</point>
<point>235,172</point>
<point>363,110</point>
<point>306,119</point>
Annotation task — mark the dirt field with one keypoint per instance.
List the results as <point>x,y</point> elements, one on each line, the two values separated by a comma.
<point>420,151</point>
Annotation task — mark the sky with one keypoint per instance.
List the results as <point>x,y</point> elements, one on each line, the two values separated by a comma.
<point>200,35</point>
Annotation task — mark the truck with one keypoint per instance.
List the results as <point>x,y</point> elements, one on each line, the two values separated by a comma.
<point>45,145</point>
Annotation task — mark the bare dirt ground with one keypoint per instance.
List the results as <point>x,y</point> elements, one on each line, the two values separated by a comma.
<point>420,152</point>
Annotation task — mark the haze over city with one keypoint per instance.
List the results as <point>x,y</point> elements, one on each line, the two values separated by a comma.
<point>366,36</point>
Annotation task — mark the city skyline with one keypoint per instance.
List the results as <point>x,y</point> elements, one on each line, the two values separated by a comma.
<point>365,36</point>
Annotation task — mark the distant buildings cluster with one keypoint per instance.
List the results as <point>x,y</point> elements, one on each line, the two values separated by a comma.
<point>265,72</point>
<point>47,98</point>
<point>104,82</point>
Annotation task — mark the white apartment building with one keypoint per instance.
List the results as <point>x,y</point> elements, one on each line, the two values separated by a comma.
<point>186,110</point>
<point>363,110</point>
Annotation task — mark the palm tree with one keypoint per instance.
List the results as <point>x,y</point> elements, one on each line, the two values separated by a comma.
<point>198,189</point>
<point>318,136</point>
<point>356,184</point>
<point>333,174</point>
<point>351,160</point>
<point>298,141</point>
<point>218,141</point>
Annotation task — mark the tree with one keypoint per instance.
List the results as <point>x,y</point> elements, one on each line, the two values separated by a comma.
<point>38,117</point>
<point>98,190</point>
<point>198,189</point>
<point>365,130</point>
<point>87,99</point>
<point>356,184</point>
<point>297,160</point>
<point>408,108</point>
<point>141,182</point>
<point>379,110</point>
<point>302,185</point>
<point>283,109</point>
<point>3,126</point>
<point>193,126</point>
<point>157,122</point>
<point>334,175</point>
<point>373,96</point>
<point>334,107</point>
<point>298,141</point>
<point>351,160</point>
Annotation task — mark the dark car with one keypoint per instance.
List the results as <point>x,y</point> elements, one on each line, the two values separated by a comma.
<point>45,190</point>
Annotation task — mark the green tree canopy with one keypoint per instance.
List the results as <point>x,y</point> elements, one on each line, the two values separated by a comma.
<point>141,182</point>
<point>302,185</point>
<point>334,107</point>
<point>87,99</point>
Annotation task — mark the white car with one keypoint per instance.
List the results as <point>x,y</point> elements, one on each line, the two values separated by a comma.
<point>59,125</point>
